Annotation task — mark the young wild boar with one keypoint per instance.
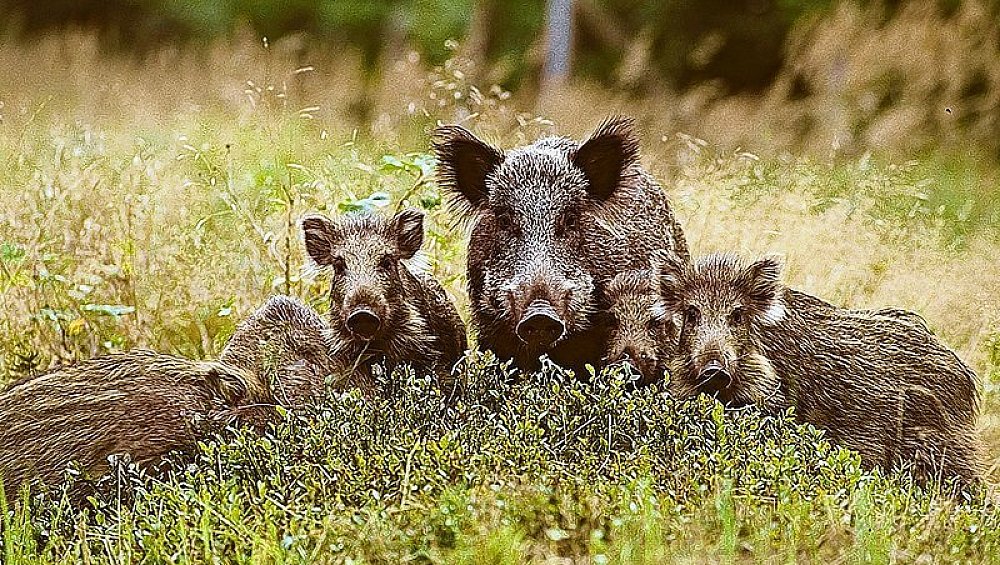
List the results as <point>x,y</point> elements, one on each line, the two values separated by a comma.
<point>380,310</point>
<point>551,222</point>
<point>139,403</point>
<point>877,381</point>
<point>287,345</point>
<point>639,331</point>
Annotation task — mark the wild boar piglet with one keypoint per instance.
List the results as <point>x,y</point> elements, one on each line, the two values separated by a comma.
<point>640,333</point>
<point>383,311</point>
<point>877,381</point>
<point>290,347</point>
<point>139,403</point>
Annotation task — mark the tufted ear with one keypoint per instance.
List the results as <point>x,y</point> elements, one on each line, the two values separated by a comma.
<point>669,272</point>
<point>761,285</point>
<point>464,162</point>
<point>605,155</point>
<point>320,235</point>
<point>408,231</point>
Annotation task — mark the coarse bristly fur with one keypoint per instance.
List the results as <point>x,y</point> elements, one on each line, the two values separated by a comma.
<point>139,403</point>
<point>640,333</point>
<point>367,256</point>
<point>877,381</point>
<point>551,222</point>
<point>290,347</point>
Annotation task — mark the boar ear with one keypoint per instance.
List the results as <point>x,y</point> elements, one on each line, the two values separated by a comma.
<point>320,235</point>
<point>224,381</point>
<point>668,275</point>
<point>764,289</point>
<point>603,158</point>
<point>464,161</point>
<point>408,229</point>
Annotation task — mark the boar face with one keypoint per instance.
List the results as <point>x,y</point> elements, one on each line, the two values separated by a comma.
<point>640,333</point>
<point>722,306</point>
<point>365,254</point>
<point>536,216</point>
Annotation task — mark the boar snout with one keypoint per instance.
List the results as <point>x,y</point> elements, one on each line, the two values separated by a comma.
<point>714,377</point>
<point>540,326</point>
<point>364,323</point>
<point>641,360</point>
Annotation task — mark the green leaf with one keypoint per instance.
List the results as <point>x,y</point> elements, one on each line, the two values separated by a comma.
<point>368,204</point>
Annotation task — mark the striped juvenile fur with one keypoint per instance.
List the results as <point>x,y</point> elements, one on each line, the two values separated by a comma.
<point>139,403</point>
<point>877,381</point>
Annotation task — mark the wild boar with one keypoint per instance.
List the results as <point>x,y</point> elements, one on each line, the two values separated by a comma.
<point>381,311</point>
<point>639,331</point>
<point>550,223</point>
<point>138,403</point>
<point>289,346</point>
<point>877,381</point>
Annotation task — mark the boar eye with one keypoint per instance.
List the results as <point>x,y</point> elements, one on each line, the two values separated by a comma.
<point>691,316</point>
<point>339,265</point>
<point>386,262</point>
<point>737,316</point>
<point>605,318</point>
<point>568,222</point>
<point>504,220</point>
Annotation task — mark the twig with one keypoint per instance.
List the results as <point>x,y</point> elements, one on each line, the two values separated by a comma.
<point>421,179</point>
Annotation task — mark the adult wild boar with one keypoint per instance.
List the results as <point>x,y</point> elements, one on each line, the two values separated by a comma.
<point>381,311</point>
<point>139,403</point>
<point>550,222</point>
<point>877,381</point>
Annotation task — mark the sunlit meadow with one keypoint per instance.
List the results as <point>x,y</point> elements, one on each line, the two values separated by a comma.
<point>155,204</point>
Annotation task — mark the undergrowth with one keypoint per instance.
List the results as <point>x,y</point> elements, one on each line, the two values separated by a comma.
<point>505,472</point>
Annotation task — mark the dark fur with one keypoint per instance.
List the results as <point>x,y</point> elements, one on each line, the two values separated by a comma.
<point>366,253</point>
<point>552,222</point>
<point>139,403</point>
<point>288,346</point>
<point>877,381</point>
<point>639,332</point>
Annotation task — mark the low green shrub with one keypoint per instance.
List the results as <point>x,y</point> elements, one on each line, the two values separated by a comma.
<point>499,469</point>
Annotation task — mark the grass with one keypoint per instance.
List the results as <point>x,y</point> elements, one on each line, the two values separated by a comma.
<point>156,207</point>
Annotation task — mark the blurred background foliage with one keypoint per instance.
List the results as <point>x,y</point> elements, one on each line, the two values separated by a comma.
<point>687,41</point>
<point>816,76</point>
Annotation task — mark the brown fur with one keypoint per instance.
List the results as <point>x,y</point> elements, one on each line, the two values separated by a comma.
<point>552,222</point>
<point>139,403</point>
<point>419,327</point>
<point>878,381</point>
<point>639,332</point>
<point>287,345</point>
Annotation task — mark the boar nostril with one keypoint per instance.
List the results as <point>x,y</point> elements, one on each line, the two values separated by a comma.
<point>540,325</point>
<point>364,323</point>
